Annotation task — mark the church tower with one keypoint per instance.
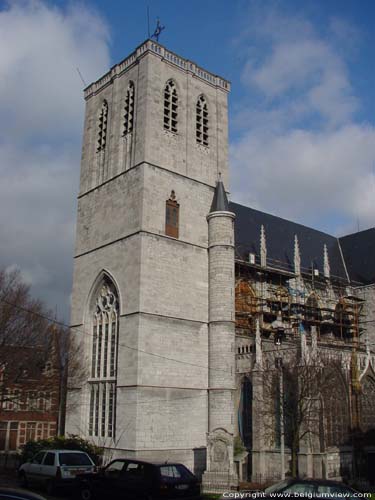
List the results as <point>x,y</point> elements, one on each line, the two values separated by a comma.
<point>154,143</point>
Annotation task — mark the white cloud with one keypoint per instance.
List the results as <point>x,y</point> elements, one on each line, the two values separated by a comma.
<point>41,103</point>
<point>301,152</point>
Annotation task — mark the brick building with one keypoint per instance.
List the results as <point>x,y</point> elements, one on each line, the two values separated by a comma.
<point>29,395</point>
<point>176,369</point>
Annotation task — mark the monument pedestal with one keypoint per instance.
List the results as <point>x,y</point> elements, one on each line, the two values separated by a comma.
<point>220,475</point>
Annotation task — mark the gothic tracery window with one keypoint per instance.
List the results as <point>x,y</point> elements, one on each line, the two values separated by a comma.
<point>102,127</point>
<point>313,315</point>
<point>170,106</point>
<point>129,110</point>
<point>336,410</point>
<point>201,130</point>
<point>367,403</point>
<point>342,321</point>
<point>105,322</point>
<point>246,305</point>
<point>245,424</point>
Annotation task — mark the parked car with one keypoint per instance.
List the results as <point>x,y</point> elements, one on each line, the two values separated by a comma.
<point>312,488</point>
<point>17,494</point>
<point>135,479</point>
<point>55,468</point>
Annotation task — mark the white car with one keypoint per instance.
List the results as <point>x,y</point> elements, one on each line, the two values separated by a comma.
<point>55,468</point>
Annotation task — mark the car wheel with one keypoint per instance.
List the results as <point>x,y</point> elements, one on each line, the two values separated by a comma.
<point>50,486</point>
<point>86,493</point>
<point>23,480</point>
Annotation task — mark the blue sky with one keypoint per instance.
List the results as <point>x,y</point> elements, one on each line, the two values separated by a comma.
<point>302,111</point>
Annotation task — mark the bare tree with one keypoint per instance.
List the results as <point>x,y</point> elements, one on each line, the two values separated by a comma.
<point>34,349</point>
<point>24,336</point>
<point>303,402</point>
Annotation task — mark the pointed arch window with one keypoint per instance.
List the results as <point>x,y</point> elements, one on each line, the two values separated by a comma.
<point>129,110</point>
<point>105,321</point>
<point>202,121</point>
<point>336,408</point>
<point>102,127</point>
<point>342,322</point>
<point>245,410</point>
<point>246,305</point>
<point>170,106</point>
<point>367,403</point>
<point>313,315</point>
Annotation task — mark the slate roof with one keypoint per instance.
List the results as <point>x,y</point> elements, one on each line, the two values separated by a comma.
<point>220,200</point>
<point>280,235</point>
<point>359,254</point>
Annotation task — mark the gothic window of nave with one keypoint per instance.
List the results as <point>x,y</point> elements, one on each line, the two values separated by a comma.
<point>313,315</point>
<point>102,127</point>
<point>170,106</point>
<point>342,321</point>
<point>105,321</point>
<point>367,401</point>
<point>245,424</point>
<point>246,304</point>
<point>202,121</point>
<point>336,410</point>
<point>129,110</point>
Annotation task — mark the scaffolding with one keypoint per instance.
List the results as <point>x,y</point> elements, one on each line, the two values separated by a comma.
<point>272,292</point>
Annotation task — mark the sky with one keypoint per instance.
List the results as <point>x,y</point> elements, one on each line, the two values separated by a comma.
<point>301,111</point>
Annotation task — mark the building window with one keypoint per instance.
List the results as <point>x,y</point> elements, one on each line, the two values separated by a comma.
<point>246,306</point>
<point>336,410</point>
<point>8,436</point>
<point>313,315</point>
<point>129,110</point>
<point>367,403</point>
<point>245,409</point>
<point>202,121</point>
<point>104,362</point>
<point>102,127</point>
<point>30,431</point>
<point>342,324</point>
<point>170,107</point>
<point>172,209</point>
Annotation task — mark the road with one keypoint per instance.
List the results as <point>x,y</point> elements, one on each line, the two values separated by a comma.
<point>10,480</point>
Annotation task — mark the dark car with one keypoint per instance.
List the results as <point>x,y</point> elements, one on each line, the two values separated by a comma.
<point>311,488</point>
<point>18,494</point>
<point>130,479</point>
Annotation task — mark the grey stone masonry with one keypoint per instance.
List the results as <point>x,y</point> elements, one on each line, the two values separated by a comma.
<point>128,172</point>
<point>221,350</point>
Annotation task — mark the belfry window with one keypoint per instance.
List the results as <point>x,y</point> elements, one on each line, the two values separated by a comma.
<point>170,106</point>
<point>172,209</point>
<point>129,110</point>
<point>202,121</point>
<point>102,127</point>
<point>104,362</point>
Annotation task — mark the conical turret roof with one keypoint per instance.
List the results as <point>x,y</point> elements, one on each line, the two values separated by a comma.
<point>220,200</point>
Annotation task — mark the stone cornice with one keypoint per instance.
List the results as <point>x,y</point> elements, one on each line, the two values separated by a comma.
<point>165,54</point>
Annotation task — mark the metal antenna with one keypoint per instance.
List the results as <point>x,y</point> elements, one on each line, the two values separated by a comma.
<point>81,77</point>
<point>148,21</point>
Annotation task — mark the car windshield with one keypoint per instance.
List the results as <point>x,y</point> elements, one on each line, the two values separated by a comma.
<point>74,459</point>
<point>277,486</point>
<point>175,472</point>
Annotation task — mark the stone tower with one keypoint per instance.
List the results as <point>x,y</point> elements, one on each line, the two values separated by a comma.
<point>221,340</point>
<point>155,140</point>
